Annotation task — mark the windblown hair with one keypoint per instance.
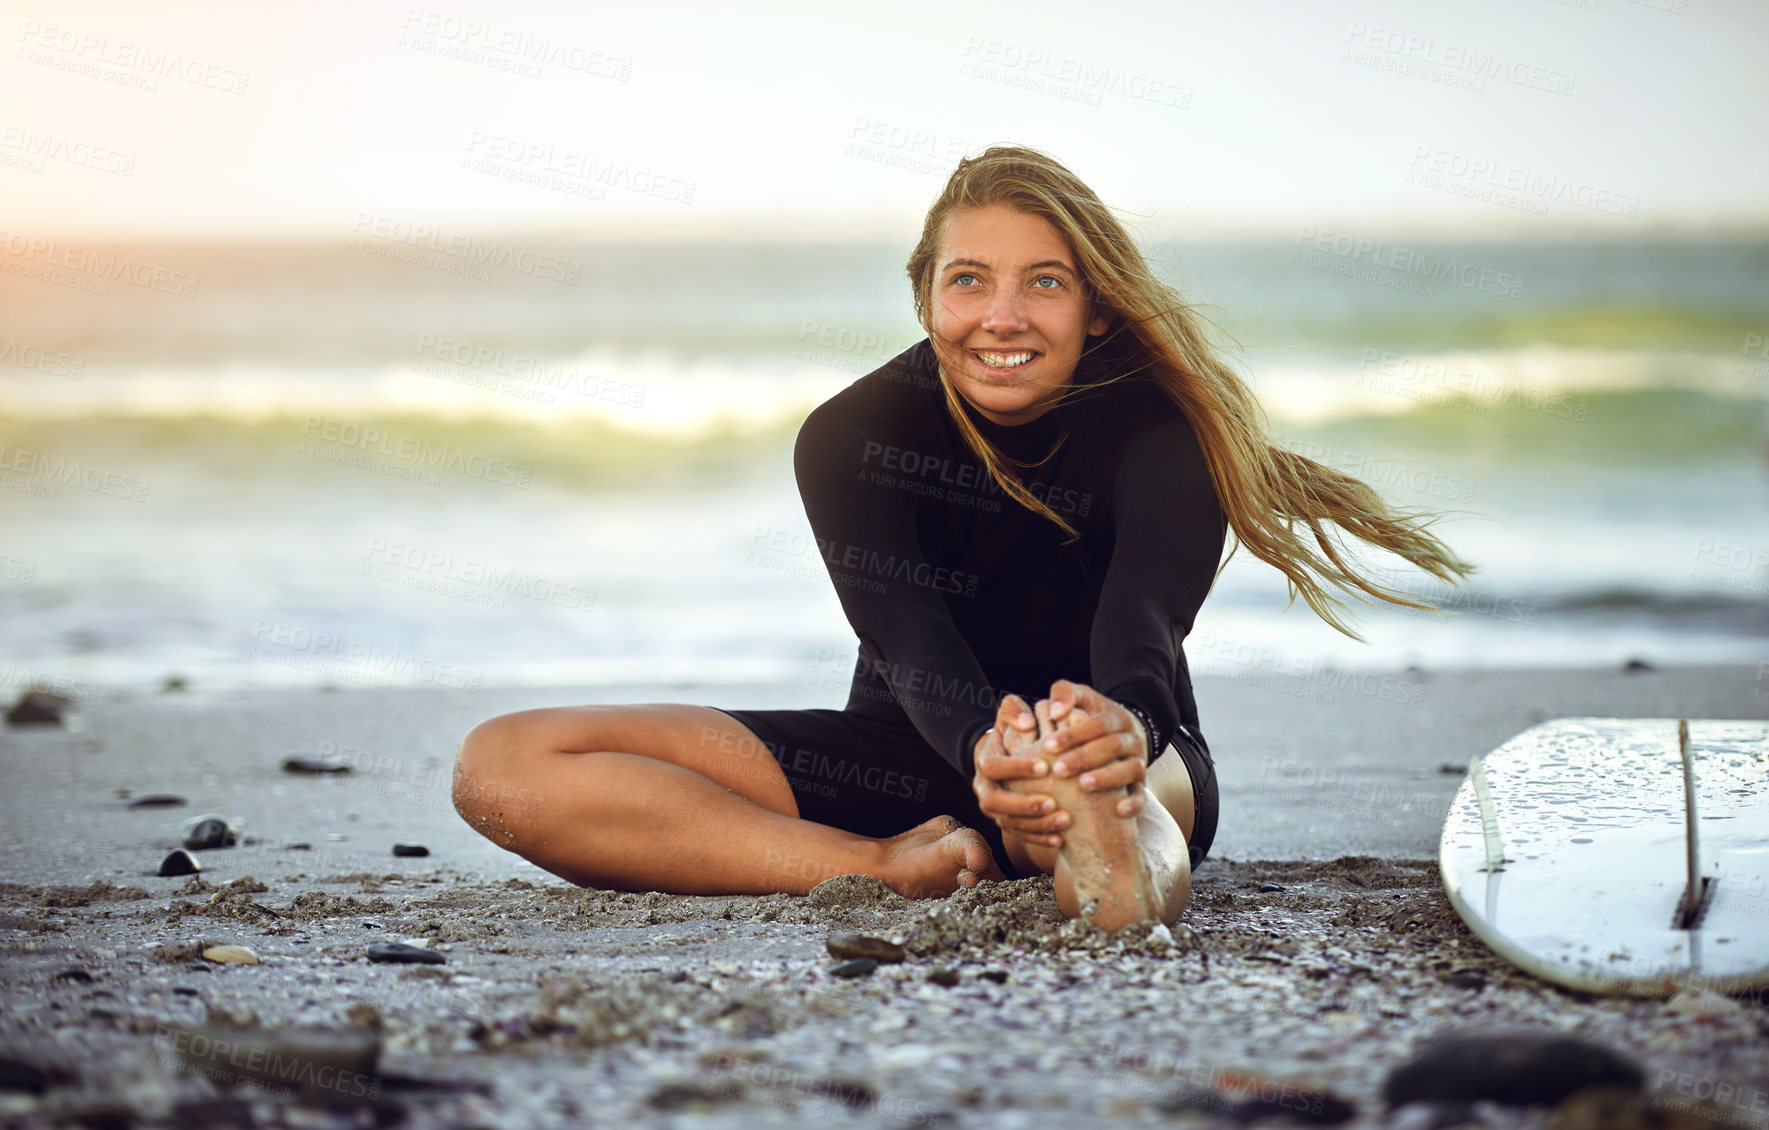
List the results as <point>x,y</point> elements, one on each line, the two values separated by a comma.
<point>1265,490</point>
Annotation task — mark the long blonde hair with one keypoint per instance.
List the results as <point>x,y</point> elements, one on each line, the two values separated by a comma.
<point>1265,490</point>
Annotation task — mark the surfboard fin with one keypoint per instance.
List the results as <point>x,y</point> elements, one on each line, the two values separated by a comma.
<point>1489,817</point>
<point>1699,888</point>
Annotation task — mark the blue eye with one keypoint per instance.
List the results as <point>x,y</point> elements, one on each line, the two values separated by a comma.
<point>1052,278</point>
<point>966,275</point>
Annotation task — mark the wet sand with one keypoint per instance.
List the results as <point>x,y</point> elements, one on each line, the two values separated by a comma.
<point>1317,952</point>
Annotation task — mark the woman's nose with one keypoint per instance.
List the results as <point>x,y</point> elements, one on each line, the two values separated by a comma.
<point>1003,313</point>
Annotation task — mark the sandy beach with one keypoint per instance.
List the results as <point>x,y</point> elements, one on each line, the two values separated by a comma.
<point>1318,952</point>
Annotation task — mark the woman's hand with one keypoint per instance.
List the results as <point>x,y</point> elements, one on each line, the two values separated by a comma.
<point>1102,742</point>
<point>1031,817</point>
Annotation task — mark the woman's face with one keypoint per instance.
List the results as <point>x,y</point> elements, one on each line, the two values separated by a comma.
<point>1006,289</point>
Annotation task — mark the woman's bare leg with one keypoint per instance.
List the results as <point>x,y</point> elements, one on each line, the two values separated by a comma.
<point>678,798</point>
<point>1127,868</point>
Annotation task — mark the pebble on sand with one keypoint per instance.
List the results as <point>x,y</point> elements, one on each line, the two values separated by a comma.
<point>39,708</point>
<point>158,800</point>
<point>207,831</point>
<point>180,862</point>
<point>398,953</point>
<point>230,955</point>
<point>944,977</point>
<point>414,851</point>
<point>861,946</point>
<point>859,967</point>
<point>1515,1066</point>
<point>315,765</point>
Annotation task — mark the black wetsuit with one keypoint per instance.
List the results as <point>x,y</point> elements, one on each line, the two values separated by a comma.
<point>959,594</point>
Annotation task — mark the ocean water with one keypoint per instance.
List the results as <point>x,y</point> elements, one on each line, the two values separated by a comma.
<point>387,464</point>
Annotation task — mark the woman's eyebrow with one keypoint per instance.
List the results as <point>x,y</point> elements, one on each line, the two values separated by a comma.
<point>1035,266</point>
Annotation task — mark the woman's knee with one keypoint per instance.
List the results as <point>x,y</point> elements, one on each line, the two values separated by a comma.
<point>488,773</point>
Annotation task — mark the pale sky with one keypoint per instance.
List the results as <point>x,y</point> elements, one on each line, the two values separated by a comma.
<point>815,118</point>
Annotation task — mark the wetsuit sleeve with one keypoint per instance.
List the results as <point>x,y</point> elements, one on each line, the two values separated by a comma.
<point>1167,546</point>
<point>895,600</point>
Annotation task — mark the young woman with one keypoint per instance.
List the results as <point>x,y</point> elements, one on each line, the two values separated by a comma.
<point>1029,506</point>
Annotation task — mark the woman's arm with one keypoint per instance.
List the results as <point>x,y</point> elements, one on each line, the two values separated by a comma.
<point>1167,546</point>
<point>894,599</point>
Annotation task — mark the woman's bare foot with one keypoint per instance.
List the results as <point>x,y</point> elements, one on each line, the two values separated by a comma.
<point>934,859</point>
<point>1100,872</point>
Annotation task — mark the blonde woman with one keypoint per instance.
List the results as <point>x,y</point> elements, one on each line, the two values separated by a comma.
<point>1021,515</point>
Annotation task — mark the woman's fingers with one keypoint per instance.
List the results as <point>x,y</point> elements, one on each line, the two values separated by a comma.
<point>1094,753</point>
<point>1113,775</point>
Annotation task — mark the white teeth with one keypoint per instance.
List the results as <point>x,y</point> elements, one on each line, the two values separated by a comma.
<point>1004,360</point>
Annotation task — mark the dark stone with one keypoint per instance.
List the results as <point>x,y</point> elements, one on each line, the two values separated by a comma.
<point>1192,1101</point>
<point>1517,1066</point>
<point>315,765</point>
<point>158,800</point>
<point>849,1092</point>
<point>38,708</point>
<point>75,975</point>
<point>18,1074</point>
<point>415,851</point>
<point>1466,979</point>
<point>859,967</point>
<point>180,862</point>
<point>174,683</point>
<point>692,1092</point>
<point>1270,889</point>
<point>186,991</point>
<point>943,976</point>
<point>103,1114</point>
<point>999,976</point>
<point>1295,1104</point>
<point>1451,769</point>
<point>398,953</point>
<point>297,847</point>
<point>1636,666</point>
<point>861,946</point>
<point>208,831</point>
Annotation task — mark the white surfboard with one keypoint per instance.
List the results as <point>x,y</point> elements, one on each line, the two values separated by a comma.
<point>1579,866</point>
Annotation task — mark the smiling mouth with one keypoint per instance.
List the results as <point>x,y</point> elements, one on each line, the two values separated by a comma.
<point>1004,361</point>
